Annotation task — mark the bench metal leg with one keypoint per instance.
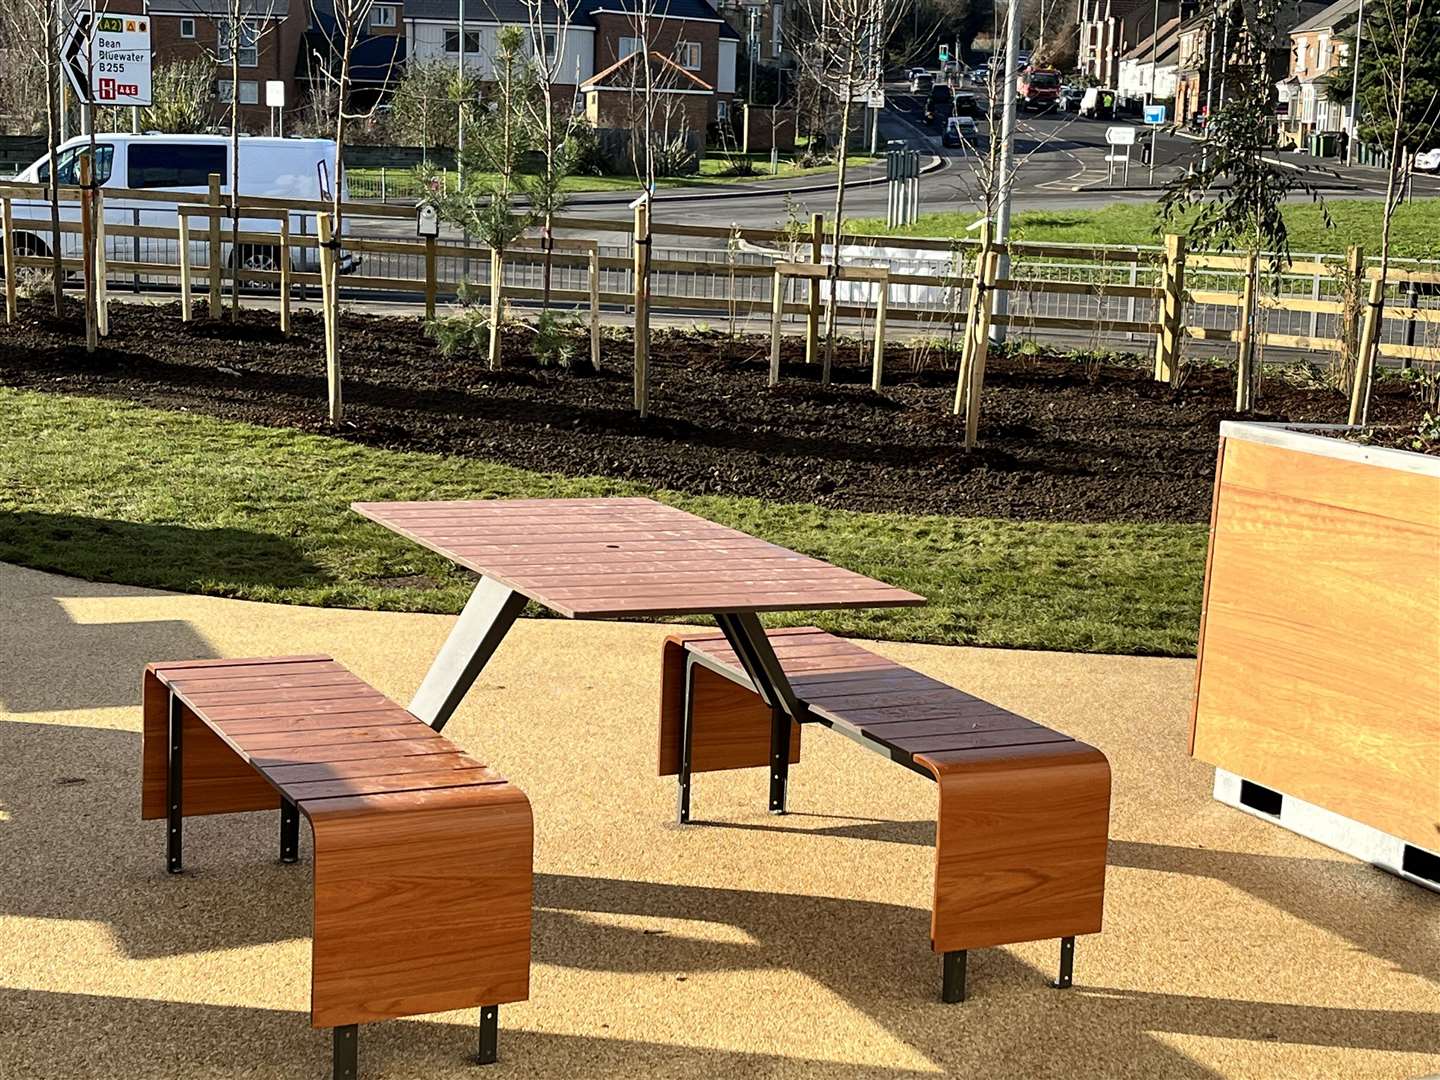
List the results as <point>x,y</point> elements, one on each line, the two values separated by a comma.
<point>953,976</point>
<point>687,743</point>
<point>489,1034</point>
<point>346,1054</point>
<point>174,810</point>
<point>289,831</point>
<point>1067,964</point>
<point>489,613</point>
<point>747,637</point>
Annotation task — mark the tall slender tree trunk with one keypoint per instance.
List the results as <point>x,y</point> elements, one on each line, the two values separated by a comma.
<point>52,132</point>
<point>844,153</point>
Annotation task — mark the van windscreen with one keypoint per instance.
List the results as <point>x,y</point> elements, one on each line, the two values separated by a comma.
<point>175,165</point>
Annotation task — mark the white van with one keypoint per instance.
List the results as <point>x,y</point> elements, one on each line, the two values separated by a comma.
<point>300,169</point>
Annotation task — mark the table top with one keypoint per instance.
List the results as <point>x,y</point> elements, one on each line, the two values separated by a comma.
<point>605,558</point>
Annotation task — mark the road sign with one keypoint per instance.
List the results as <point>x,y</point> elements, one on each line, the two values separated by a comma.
<point>1120,135</point>
<point>1155,115</point>
<point>275,93</point>
<point>111,64</point>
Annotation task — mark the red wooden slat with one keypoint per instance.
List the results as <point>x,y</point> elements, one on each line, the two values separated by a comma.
<point>392,715</point>
<point>303,755</point>
<point>386,766</point>
<point>379,785</point>
<point>272,740</point>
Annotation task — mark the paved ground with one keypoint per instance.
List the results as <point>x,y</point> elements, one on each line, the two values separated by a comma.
<point>750,946</point>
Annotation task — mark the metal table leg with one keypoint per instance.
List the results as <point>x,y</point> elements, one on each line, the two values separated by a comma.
<point>747,637</point>
<point>490,612</point>
<point>173,787</point>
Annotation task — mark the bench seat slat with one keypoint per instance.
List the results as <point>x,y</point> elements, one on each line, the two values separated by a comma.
<point>274,740</point>
<point>323,677</point>
<point>356,751</point>
<point>386,766</point>
<point>380,785</point>
<point>392,715</point>
<point>186,677</point>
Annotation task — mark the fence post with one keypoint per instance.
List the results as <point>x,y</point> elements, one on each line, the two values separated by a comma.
<point>641,243</point>
<point>214,243</point>
<point>102,292</point>
<point>1172,311</point>
<point>8,221</point>
<point>777,311</point>
<point>284,269</point>
<point>332,317</point>
<point>1365,360</point>
<point>812,313</point>
<point>431,286</point>
<point>594,305</point>
<point>183,236</point>
<point>877,360</point>
<point>981,349</point>
<point>1245,337</point>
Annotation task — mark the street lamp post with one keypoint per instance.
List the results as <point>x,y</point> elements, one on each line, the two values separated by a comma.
<point>1355,84</point>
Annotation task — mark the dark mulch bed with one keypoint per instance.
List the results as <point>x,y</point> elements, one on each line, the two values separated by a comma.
<point>1061,440</point>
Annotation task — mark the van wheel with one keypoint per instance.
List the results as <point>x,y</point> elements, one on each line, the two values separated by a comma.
<point>29,245</point>
<point>261,257</point>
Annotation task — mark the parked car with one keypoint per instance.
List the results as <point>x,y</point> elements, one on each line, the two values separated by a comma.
<point>961,131</point>
<point>298,169</point>
<point>921,83</point>
<point>980,75</point>
<point>1069,99</point>
<point>916,72</point>
<point>1098,104</point>
<point>1429,161</point>
<point>939,104</point>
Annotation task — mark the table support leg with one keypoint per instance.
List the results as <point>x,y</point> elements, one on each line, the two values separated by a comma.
<point>1067,964</point>
<point>687,742</point>
<point>175,811</point>
<point>490,612</point>
<point>346,1052</point>
<point>953,977</point>
<point>489,1035</point>
<point>747,637</point>
<point>289,831</point>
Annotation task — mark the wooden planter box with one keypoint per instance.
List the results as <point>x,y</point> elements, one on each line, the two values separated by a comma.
<point>1318,681</point>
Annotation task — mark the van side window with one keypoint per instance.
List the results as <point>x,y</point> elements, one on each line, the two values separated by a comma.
<point>174,165</point>
<point>67,164</point>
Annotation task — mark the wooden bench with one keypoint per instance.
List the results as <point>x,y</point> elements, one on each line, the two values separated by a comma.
<point>1021,831</point>
<point>423,855</point>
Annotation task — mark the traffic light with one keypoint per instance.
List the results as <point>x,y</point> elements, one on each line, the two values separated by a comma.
<point>944,53</point>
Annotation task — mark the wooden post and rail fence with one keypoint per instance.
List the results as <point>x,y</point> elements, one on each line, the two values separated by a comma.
<point>970,272</point>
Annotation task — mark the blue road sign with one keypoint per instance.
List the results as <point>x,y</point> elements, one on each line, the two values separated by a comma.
<point>1155,114</point>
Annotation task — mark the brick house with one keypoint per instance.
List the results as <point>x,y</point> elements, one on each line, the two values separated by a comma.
<point>615,106</point>
<point>1111,28</point>
<point>270,42</point>
<point>601,33</point>
<point>1316,52</point>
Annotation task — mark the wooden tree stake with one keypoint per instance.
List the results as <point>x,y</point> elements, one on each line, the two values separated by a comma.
<point>877,360</point>
<point>284,269</point>
<point>1172,312</point>
<point>642,308</point>
<point>87,245</point>
<point>102,290</point>
<point>497,305</point>
<point>430,284</point>
<point>183,236</point>
<point>777,313</point>
<point>1365,358</point>
<point>214,238</point>
<point>329,296</point>
<point>594,261</point>
<point>980,348</point>
<point>1245,337</point>
<point>8,224</point>
<point>812,314</point>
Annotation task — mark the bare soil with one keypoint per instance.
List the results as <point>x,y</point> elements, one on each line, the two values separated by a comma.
<point>1061,439</point>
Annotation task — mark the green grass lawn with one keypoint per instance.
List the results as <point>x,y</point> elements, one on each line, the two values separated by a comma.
<point>115,492</point>
<point>714,169</point>
<point>1355,221</point>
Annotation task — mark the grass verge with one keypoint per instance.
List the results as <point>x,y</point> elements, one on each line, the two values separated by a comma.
<point>1355,221</point>
<point>115,492</point>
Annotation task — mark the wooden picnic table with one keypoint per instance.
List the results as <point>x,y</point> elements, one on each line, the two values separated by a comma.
<point>608,558</point>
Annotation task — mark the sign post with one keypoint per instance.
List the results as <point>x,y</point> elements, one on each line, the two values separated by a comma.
<point>1121,135</point>
<point>107,59</point>
<point>1155,118</point>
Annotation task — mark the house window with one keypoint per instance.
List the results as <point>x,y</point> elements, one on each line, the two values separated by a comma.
<point>722,110</point>
<point>382,15</point>
<point>249,91</point>
<point>1323,60</point>
<point>688,54</point>
<point>629,45</point>
<point>777,24</point>
<point>249,38</point>
<point>452,41</point>
<point>544,45</point>
<point>187,29</point>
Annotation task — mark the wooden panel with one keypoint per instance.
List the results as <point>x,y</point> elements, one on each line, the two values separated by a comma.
<point>732,724</point>
<point>214,779</point>
<point>1320,672</point>
<point>604,558</point>
<point>389,871</point>
<point>1020,844</point>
